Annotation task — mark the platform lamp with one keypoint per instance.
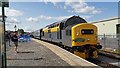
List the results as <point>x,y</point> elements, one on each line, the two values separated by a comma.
<point>104,38</point>
<point>15,27</point>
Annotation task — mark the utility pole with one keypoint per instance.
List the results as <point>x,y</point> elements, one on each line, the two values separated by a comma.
<point>3,20</point>
<point>3,4</point>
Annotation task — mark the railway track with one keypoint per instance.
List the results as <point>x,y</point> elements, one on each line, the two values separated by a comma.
<point>104,61</point>
<point>109,54</point>
<point>112,59</point>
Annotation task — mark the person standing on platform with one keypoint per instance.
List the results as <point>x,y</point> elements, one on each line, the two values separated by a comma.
<point>15,40</point>
<point>9,38</point>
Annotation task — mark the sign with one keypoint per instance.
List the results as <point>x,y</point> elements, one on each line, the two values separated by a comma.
<point>6,3</point>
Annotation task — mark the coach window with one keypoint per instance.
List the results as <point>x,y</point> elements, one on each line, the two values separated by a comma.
<point>66,32</point>
<point>57,24</point>
<point>69,32</point>
<point>49,35</point>
<point>49,31</point>
<point>57,35</point>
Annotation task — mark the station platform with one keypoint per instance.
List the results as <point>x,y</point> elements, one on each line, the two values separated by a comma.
<point>40,53</point>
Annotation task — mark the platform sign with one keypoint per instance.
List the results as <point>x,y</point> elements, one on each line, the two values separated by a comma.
<point>6,4</point>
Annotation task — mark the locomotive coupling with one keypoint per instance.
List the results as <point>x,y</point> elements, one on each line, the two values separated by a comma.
<point>99,46</point>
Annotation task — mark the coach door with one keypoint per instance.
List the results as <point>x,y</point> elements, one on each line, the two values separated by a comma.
<point>40,33</point>
<point>118,29</point>
<point>59,33</point>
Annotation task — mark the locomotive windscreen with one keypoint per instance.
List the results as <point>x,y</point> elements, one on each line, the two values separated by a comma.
<point>87,31</point>
<point>74,20</point>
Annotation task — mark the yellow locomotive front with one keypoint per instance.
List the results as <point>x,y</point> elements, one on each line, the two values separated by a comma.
<point>85,41</point>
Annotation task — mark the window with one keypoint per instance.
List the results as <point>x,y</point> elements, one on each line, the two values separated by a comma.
<point>87,31</point>
<point>49,35</point>
<point>57,35</point>
<point>49,31</point>
<point>68,32</point>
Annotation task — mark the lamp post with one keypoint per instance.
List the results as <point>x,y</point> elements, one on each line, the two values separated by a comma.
<point>104,37</point>
<point>4,3</point>
<point>15,27</point>
<point>4,61</point>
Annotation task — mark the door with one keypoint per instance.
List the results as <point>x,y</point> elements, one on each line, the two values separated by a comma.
<point>118,28</point>
<point>118,34</point>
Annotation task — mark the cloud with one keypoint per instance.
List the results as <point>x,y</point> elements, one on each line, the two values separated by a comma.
<point>61,17</point>
<point>11,12</point>
<point>77,6</point>
<point>82,7</point>
<point>61,0</point>
<point>12,20</point>
<point>8,24</point>
<point>36,19</point>
<point>28,29</point>
<point>42,17</point>
<point>31,19</point>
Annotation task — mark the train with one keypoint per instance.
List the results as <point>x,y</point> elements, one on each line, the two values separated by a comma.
<point>73,33</point>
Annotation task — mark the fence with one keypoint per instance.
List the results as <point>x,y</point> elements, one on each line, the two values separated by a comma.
<point>110,42</point>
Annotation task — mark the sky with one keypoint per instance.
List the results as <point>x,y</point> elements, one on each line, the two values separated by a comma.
<point>32,16</point>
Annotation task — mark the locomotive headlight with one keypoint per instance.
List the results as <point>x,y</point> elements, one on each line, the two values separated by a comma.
<point>95,38</point>
<point>77,33</point>
<point>88,39</point>
<point>82,31</point>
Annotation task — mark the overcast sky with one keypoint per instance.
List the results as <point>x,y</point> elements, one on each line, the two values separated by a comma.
<point>32,16</point>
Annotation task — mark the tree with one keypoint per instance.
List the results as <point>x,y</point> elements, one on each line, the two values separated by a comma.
<point>21,31</point>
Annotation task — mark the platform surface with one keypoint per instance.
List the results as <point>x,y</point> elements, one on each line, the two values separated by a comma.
<point>33,54</point>
<point>39,53</point>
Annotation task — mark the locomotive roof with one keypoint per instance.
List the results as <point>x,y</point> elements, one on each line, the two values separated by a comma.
<point>64,21</point>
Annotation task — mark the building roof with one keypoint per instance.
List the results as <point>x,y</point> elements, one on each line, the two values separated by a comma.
<point>106,20</point>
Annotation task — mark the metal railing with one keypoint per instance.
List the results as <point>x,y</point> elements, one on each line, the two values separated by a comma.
<point>110,42</point>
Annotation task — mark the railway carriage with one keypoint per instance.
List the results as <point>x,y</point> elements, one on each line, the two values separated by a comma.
<point>36,34</point>
<point>73,33</point>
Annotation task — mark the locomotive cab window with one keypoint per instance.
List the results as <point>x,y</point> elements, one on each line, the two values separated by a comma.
<point>68,32</point>
<point>87,31</point>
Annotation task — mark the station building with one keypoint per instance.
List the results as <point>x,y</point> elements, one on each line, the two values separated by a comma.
<point>108,26</point>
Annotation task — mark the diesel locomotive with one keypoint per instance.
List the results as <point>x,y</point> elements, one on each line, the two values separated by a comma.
<point>73,33</point>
